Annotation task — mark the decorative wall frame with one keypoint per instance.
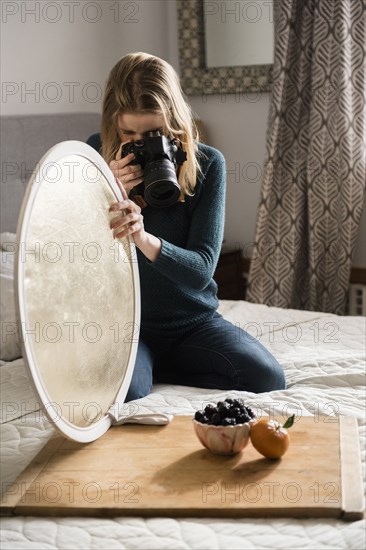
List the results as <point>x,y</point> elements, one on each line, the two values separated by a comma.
<point>195,77</point>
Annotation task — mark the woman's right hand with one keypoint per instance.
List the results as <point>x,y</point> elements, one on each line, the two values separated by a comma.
<point>128,174</point>
<point>130,221</point>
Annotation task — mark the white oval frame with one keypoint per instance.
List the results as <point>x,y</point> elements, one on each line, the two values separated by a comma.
<point>69,430</point>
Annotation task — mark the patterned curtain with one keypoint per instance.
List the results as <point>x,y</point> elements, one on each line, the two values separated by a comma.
<point>314,178</point>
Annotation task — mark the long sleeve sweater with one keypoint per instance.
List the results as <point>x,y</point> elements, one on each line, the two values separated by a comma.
<point>177,290</point>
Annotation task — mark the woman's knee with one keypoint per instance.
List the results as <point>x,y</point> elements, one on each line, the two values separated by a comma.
<point>265,374</point>
<point>259,371</point>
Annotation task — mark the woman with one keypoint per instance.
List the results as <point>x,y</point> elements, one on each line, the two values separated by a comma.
<point>183,340</point>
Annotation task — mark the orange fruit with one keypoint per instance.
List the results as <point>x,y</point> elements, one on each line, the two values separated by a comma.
<point>270,438</point>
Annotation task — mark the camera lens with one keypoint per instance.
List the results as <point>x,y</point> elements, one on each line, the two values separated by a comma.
<point>161,185</point>
<point>162,190</point>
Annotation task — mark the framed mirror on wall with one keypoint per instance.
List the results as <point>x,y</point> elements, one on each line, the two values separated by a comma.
<point>225,46</point>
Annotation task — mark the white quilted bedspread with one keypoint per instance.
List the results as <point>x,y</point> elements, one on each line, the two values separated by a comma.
<point>324,360</point>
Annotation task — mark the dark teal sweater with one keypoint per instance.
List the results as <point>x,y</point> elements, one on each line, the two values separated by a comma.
<point>177,289</point>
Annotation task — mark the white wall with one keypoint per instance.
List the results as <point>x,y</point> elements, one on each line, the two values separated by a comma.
<point>56,58</point>
<point>238,130</point>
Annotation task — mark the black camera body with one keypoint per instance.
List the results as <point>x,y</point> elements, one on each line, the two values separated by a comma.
<point>158,157</point>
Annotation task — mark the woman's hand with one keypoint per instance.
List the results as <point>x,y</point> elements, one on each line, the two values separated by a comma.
<point>130,175</point>
<point>129,221</point>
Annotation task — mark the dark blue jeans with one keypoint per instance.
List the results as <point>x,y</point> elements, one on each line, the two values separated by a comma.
<point>217,355</point>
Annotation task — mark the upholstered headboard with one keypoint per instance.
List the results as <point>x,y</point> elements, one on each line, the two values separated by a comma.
<point>24,141</point>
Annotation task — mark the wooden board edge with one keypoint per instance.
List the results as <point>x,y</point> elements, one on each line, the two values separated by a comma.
<point>352,500</point>
<point>234,513</point>
<point>15,490</point>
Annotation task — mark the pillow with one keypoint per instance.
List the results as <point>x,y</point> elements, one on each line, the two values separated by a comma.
<point>9,340</point>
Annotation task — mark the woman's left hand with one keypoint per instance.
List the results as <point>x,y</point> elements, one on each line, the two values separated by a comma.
<point>129,221</point>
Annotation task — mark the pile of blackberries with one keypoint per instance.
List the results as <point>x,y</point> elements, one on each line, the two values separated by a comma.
<point>226,413</point>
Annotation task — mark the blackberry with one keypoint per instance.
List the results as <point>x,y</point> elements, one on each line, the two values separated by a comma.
<point>235,411</point>
<point>242,419</point>
<point>229,400</point>
<point>224,409</point>
<point>210,410</point>
<point>215,419</point>
<point>199,416</point>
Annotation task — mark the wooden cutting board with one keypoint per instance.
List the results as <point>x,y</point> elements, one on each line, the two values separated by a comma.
<point>164,471</point>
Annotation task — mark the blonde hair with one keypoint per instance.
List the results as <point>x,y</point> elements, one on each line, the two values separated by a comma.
<point>143,83</point>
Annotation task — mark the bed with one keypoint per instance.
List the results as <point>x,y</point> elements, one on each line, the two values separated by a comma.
<point>324,360</point>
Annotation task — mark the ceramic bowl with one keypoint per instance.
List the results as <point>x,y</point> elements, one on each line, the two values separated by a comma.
<point>223,440</point>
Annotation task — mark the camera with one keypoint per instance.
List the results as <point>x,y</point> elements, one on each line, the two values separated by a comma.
<point>159,157</point>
